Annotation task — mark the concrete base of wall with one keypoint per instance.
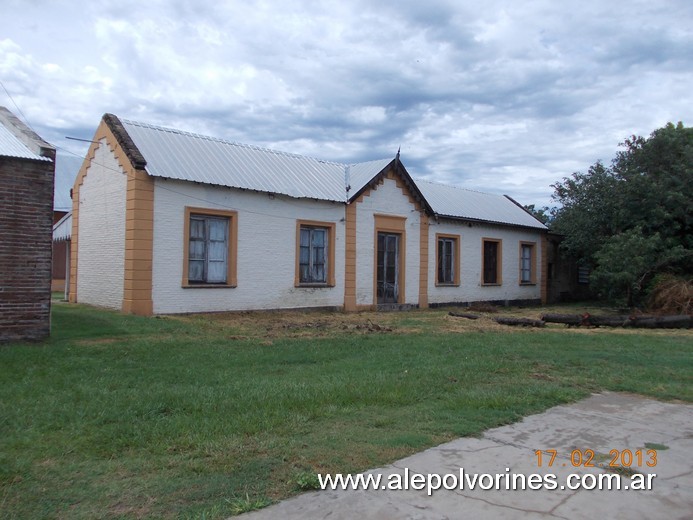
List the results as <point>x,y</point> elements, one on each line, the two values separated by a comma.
<point>388,307</point>
<point>246,311</point>
<point>497,303</point>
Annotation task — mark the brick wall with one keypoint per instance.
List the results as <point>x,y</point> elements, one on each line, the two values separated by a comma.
<point>471,242</point>
<point>26,218</point>
<point>101,235</point>
<point>266,250</point>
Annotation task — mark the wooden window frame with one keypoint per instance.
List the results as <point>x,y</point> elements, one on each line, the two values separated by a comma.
<point>499,261</point>
<point>330,227</point>
<point>532,263</point>
<point>231,258</point>
<point>455,262</point>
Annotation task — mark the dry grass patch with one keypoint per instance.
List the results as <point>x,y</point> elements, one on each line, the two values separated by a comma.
<point>273,325</point>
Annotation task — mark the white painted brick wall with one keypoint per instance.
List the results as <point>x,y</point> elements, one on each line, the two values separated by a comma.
<point>387,199</point>
<point>266,250</point>
<point>470,288</point>
<point>101,242</point>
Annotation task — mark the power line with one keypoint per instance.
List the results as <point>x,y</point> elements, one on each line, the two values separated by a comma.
<point>16,106</point>
<point>26,121</point>
<point>193,197</point>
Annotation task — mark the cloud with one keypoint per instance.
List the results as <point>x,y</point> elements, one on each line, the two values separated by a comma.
<point>498,96</point>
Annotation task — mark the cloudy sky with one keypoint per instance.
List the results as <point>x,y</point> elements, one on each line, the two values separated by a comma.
<point>499,96</point>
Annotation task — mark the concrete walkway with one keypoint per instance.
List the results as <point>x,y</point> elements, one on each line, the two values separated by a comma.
<point>601,423</point>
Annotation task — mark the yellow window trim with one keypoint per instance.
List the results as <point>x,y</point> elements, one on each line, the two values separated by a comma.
<point>331,231</point>
<point>232,256</point>
<point>499,262</point>
<point>397,225</point>
<point>457,239</point>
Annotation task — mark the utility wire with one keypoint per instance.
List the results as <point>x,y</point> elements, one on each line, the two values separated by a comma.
<point>16,106</point>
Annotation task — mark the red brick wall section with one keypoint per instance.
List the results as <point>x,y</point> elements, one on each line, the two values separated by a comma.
<point>26,229</point>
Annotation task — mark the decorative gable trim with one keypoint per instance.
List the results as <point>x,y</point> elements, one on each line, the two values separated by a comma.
<point>139,217</point>
<point>397,172</point>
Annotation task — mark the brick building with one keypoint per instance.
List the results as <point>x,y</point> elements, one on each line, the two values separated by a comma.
<point>27,166</point>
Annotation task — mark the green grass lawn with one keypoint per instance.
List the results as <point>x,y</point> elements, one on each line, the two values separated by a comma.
<point>127,417</point>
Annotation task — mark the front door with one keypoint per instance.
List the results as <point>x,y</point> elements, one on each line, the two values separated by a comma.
<point>388,267</point>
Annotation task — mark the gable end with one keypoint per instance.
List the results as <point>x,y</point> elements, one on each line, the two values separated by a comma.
<point>395,168</point>
<point>125,141</point>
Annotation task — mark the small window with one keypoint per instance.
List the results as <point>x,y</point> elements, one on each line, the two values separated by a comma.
<point>312,264</point>
<point>208,248</point>
<point>583,275</point>
<point>315,252</point>
<point>491,261</point>
<point>447,260</point>
<point>527,269</point>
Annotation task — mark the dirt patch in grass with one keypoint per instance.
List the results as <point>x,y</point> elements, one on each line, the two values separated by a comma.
<point>271,325</point>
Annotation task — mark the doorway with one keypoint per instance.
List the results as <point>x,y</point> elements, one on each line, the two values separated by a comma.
<point>388,267</point>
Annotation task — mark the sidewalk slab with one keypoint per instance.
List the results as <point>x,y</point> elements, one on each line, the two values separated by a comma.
<point>600,423</point>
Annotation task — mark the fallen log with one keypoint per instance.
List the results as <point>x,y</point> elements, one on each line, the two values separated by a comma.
<point>519,322</point>
<point>567,319</point>
<point>609,321</point>
<point>682,321</point>
<point>464,315</point>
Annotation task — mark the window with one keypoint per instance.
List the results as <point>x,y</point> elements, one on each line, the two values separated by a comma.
<point>527,263</point>
<point>583,275</point>
<point>315,254</point>
<point>491,261</point>
<point>210,248</point>
<point>447,260</point>
<point>312,263</point>
<point>207,258</point>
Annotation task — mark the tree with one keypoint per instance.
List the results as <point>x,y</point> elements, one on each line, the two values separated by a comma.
<point>543,215</point>
<point>633,219</point>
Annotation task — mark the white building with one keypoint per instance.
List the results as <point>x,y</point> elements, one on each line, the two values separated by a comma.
<point>166,221</point>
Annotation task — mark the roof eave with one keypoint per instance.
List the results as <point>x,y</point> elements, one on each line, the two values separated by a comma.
<point>543,229</point>
<point>240,188</point>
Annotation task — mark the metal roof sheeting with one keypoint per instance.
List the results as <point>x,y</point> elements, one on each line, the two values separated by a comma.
<point>62,229</point>
<point>460,203</point>
<point>11,146</point>
<point>361,173</point>
<point>191,157</point>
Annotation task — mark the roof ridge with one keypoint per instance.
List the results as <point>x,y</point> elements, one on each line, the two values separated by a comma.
<point>228,142</point>
<point>370,161</point>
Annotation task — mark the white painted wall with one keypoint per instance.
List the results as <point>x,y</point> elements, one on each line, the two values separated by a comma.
<point>101,238</point>
<point>266,250</point>
<point>470,288</point>
<point>387,199</point>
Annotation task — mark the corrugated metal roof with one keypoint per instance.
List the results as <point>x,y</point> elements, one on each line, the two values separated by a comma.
<point>361,173</point>
<point>451,201</point>
<point>66,170</point>
<point>11,146</point>
<point>191,157</point>
<point>62,229</point>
